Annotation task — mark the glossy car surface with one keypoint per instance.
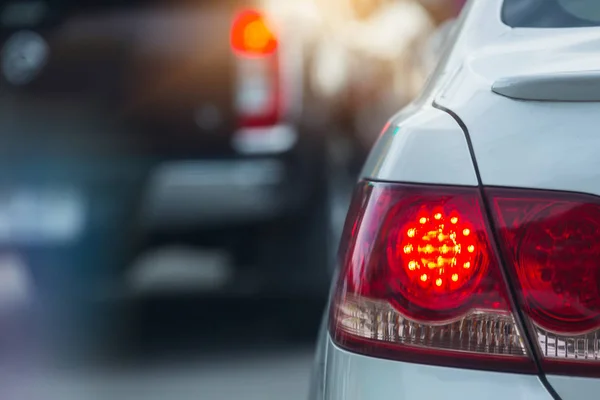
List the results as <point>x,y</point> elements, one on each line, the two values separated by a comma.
<point>510,107</point>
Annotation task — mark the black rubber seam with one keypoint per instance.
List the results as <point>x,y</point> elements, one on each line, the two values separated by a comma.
<point>530,343</point>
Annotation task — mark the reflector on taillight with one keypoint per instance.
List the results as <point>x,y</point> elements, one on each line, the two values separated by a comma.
<point>420,281</point>
<point>551,242</point>
<point>251,34</point>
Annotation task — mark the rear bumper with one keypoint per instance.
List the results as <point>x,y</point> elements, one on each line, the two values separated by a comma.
<point>273,174</point>
<point>211,192</point>
<point>351,376</point>
<point>126,200</point>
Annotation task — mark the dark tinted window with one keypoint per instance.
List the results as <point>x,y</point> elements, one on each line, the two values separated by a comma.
<point>551,13</point>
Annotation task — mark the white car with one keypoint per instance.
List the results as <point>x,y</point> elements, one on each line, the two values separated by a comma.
<point>470,262</point>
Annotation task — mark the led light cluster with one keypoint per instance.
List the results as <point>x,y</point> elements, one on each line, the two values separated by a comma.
<point>438,251</point>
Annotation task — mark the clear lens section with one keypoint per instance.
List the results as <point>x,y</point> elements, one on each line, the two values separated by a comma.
<point>255,89</point>
<point>569,347</point>
<point>478,332</point>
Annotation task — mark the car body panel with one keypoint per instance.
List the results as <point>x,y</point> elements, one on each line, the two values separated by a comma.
<point>529,148</point>
<point>353,377</point>
<point>427,141</point>
<point>574,388</point>
<point>542,146</point>
<point>423,145</point>
<point>548,145</point>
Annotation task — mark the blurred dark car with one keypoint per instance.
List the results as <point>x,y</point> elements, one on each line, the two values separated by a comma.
<point>135,124</point>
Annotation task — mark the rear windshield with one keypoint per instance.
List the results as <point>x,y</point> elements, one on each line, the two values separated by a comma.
<point>551,13</point>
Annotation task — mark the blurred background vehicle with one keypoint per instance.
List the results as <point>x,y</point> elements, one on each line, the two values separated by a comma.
<point>152,124</point>
<point>190,148</point>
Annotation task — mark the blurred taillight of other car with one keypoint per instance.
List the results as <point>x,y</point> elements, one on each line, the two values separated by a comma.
<point>254,42</point>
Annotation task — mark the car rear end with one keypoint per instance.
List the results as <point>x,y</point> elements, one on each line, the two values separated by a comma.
<point>208,88</point>
<point>257,160</point>
<point>127,121</point>
<point>469,265</point>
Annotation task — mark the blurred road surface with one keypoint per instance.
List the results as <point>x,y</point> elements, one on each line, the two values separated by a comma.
<point>192,349</point>
<point>251,375</point>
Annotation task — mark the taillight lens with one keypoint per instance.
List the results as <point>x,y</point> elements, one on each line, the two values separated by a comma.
<point>258,96</point>
<point>420,281</point>
<point>251,34</point>
<point>551,242</point>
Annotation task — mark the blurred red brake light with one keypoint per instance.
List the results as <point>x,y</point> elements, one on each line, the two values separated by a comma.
<point>259,99</point>
<point>251,34</point>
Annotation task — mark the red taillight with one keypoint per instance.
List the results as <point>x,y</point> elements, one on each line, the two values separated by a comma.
<point>251,34</point>
<point>420,281</point>
<point>551,242</point>
<point>437,256</point>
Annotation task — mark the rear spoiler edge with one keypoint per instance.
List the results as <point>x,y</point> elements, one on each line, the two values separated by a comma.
<point>577,86</point>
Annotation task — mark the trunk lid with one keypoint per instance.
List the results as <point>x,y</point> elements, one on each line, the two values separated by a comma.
<point>529,144</point>
<point>519,141</point>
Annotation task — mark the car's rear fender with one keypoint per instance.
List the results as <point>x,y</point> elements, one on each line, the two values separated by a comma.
<point>422,145</point>
<point>351,376</point>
